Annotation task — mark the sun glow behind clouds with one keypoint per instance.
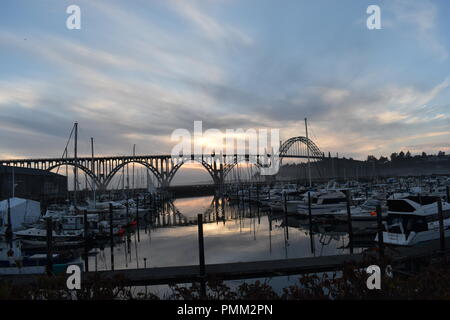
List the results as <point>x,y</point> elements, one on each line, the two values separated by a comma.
<point>137,71</point>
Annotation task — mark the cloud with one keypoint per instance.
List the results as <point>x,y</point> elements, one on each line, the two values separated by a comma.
<point>421,16</point>
<point>213,29</point>
<point>144,78</point>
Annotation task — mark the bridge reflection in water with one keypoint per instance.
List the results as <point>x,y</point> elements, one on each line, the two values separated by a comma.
<point>233,233</point>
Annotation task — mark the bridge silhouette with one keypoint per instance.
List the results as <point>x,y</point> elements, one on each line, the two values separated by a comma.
<point>101,170</point>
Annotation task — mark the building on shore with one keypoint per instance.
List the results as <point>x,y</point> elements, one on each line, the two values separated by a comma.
<point>34,184</point>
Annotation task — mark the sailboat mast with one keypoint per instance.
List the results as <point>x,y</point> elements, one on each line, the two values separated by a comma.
<point>75,170</point>
<point>8,231</point>
<point>13,183</point>
<point>307,152</point>
<point>93,170</point>
<point>134,155</point>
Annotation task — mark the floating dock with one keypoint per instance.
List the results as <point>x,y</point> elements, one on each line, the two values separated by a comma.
<point>250,270</point>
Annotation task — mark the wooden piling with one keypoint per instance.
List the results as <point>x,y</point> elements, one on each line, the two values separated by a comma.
<point>441,225</point>
<point>349,221</point>
<point>49,227</point>
<point>286,217</point>
<point>448,193</point>
<point>380,228</point>
<point>311,236</point>
<point>137,219</point>
<point>201,255</point>
<point>86,245</point>
<point>111,235</point>
<point>127,226</point>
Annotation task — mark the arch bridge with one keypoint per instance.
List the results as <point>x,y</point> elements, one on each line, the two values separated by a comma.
<point>101,170</point>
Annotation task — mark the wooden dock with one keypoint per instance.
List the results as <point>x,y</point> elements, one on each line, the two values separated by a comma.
<point>248,270</point>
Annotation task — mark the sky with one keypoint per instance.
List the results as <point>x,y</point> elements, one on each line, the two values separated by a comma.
<point>137,70</point>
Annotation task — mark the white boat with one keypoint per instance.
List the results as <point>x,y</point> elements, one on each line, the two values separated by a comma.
<point>39,233</point>
<point>323,203</point>
<point>364,212</point>
<point>414,219</point>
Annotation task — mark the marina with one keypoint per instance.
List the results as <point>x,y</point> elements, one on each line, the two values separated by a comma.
<point>142,231</point>
<point>224,150</point>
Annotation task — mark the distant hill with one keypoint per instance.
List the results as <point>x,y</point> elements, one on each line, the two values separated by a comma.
<point>399,165</point>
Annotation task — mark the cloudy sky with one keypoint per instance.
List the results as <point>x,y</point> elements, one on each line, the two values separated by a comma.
<point>139,69</point>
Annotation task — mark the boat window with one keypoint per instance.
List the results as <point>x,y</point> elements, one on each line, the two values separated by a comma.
<point>395,229</point>
<point>420,225</point>
<point>423,200</point>
<point>332,201</point>
<point>372,203</point>
<point>394,222</point>
<point>432,217</point>
<point>399,206</point>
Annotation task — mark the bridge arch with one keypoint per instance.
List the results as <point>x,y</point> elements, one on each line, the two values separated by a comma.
<point>79,166</point>
<point>300,145</point>
<point>116,169</point>
<point>180,162</point>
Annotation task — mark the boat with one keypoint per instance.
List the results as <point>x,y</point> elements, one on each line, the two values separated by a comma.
<point>414,219</point>
<point>37,236</point>
<point>364,212</point>
<point>323,202</point>
<point>14,262</point>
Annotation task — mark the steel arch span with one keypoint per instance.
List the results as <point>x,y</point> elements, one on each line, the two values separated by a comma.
<point>112,173</point>
<point>79,166</point>
<point>297,147</point>
<point>164,167</point>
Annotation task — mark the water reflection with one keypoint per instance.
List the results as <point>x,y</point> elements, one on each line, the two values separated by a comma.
<point>233,233</point>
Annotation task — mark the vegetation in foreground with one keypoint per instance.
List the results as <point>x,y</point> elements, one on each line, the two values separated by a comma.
<point>432,282</point>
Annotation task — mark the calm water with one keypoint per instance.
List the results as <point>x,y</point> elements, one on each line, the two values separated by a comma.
<point>232,233</point>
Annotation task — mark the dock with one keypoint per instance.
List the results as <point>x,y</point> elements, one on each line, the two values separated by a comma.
<point>251,270</point>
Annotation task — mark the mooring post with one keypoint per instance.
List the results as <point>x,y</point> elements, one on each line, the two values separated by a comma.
<point>286,217</point>
<point>349,221</point>
<point>309,208</point>
<point>49,225</point>
<point>127,217</point>
<point>111,235</point>
<point>137,219</point>
<point>201,255</point>
<point>311,237</point>
<point>86,246</point>
<point>380,232</point>
<point>257,198</point>
<point>441,224</point>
